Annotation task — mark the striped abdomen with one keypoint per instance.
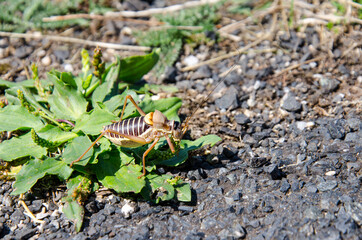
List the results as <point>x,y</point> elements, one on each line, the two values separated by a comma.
<point>133,126</point>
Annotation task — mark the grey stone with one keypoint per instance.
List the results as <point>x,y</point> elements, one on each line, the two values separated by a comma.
<point>327,186</point>
<point>291,104</point>
<point>242,119</point>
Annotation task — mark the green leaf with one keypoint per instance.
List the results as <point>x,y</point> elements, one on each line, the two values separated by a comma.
<point>68,79</point>
<point>8,84</point>
<point>133,68</point>
<point>18,147</point>
<point>14,117</point>
<point>93,123</point>
<point>76,148</point>
<point>157,188</point>
<point>109,87</point>
<point>183,192</point>
<point>115,171</point>
<point>186,146</point>
<point>66,102</point>
<point>74,211</point>
<point>55,134</point>
<point>12,96</point>
<point>35,169</point>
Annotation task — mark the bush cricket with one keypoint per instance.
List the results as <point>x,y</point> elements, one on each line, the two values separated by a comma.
<point>148,128</point>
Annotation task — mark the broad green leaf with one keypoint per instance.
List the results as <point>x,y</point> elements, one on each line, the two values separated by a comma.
<point>157,188</point>
<point>93,123</point>
<point>8,84</point>
<point>133,68</point>
<point>74,211</point>
<point>35,169</point>
<point>68,79</point>
<point>76,148</point>
<point>103,146</point>
<point>109,87</point>
<point>55,134</point>
<point>29,93</point>
<point>18,147</point>
<point>66,102</point>
<point>157,88</point>
<point>186,146</point>
<point>115,171</point>
<point>117,101</point>
<point>183,192</point>
<point>14,117</point>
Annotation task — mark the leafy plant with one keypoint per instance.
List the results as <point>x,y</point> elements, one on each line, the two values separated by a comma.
<point>54,121</point>
<point>20,15</point>
<point>171,37</point>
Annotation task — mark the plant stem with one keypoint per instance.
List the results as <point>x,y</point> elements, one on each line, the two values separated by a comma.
<point>91,89</point>
<point>42,114</point>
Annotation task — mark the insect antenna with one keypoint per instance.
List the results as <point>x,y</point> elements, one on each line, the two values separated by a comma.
<point>184,129</point>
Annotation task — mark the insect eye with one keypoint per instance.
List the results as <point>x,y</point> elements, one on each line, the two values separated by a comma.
<point>176,125</point>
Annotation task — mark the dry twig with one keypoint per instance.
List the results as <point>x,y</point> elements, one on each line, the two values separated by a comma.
<point>134,14</point>
<point>76,40</point>
<point>231,54</point>
<point>297,65</point>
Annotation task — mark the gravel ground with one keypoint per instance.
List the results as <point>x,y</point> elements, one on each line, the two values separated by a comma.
<point>289,165</point>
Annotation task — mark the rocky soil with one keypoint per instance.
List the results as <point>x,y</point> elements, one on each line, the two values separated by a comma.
<point>289,165</point>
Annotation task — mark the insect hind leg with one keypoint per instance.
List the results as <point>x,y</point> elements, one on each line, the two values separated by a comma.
<point>134,103</point>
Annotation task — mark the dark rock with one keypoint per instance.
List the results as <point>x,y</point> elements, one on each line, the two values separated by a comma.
<point>36,206</point>
<point>256,162</point>
<point>225,119</point>
<point>238,232</point>
<point>249,140</point>
<point>264,72</point>
<point>261,135</point>
<point>170,75</point>
<point>232,78</point>
<point>230,151</point>
<point>291,104</point>
<point>242,119</point>
<point>275,172</point>
<point>23,51</point>
<point>109,209</point>
<point>336,130</point>
<point>186,208</point>
<point>91,207</point>
<point>184,84</point>
<point>327,84</point>
<point>285,186</point>
<point>202,72</point>
<point>228,100</point>
<point>17,216</point>
<point>25,234</point>
<point>295,186</point>
<point>229,131</point>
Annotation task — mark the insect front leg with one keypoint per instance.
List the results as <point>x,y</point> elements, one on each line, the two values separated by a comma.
<point>145,154</point>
